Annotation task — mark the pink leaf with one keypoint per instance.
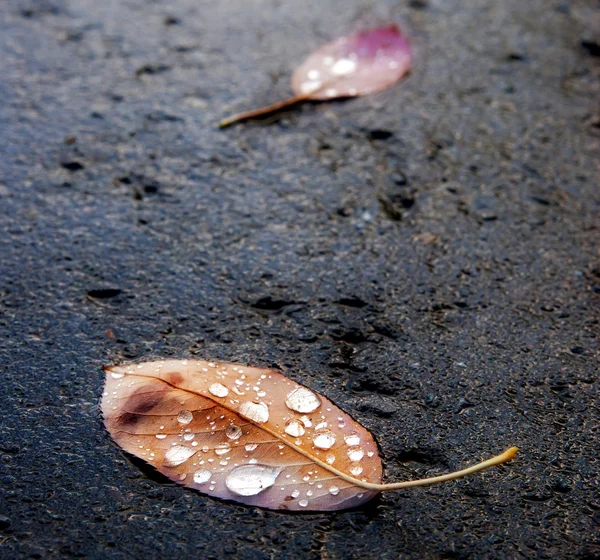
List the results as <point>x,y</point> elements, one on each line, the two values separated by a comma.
<point>359,64</point>
<point>247,434</point>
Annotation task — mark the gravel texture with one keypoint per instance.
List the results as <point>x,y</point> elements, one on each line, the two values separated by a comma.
<point>426,257</point>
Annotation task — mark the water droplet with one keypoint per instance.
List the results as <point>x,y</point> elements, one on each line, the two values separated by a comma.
<point>309,493</point>
<point>302,400</point>
<point>330,458</point>
<point>257,412</point>
<point>117,374</point>
<point>189,436</point>
<point>303,503</point>
<point>355,453</point>
<point>334,490</point>
<point>218,390</point>
<point>177,455</point>
<point>251,446</point>
<point>161,436</point>
<point>249,480</point>
<point>352,439</point>
<point>294,428</point>
<point>313,74</point>
<point>324,439</point>
<point>201,476</point>
<point>356,470</point>
<point>222,448</point>
<point>233,432</point>
<point>306,421</point>
<point>185,417</point>
<point>343,66</point>
<point>182,476</point>
<point>370,454</point>
<point>331,92</point>
<point>310,86</point>
<point>295,494</point>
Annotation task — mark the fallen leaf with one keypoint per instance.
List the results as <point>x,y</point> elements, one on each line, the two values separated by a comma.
<point>247,434</point>
<point>359,64</point>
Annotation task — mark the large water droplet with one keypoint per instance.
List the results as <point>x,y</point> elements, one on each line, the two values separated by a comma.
<point>257,412</point>
<point>355,453</point>
<point>201,476</point>
<point>324,439</point>
<point>352,439</point>
<point>185,417</point>
<point>294,428</point>
<point>249,480</point>
<point>218,390</point>
<point>233,432</point>
<point>302,400</point>
<point>222,448</point>
<point>177,455</point>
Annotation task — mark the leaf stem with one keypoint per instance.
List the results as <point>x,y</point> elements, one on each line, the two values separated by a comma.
<point>497,460</point>
<point>262,111</point>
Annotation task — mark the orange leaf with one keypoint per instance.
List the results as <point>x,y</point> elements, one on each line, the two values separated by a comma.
<point>246,434</point>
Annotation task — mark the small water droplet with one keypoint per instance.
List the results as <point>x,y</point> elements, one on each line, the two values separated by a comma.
<point>233,432</point>
<point>352,439</point>
<point>218,390</point>
<point>117,374</point>
<point>251,446</point>
<point>295,494</point>
<point>313,74</point>
<point>309,493</point>
<point>257,412</point>
<point>302,400</point>
<point>185,417</point>
<point>356,470</point>
<point>306,478</point>
<point>303,503</point>
<point>222,448</point>
<point>201,476</point>
<point>306,421</point>
<point>161,436</point>
<point>324,439</point>
<point>249,480</point>
<point>294,428</point>
<point>330,458</point>
<point>189,436</point>
<point>355,453</point>
<point>334,490</point>
<point>343,66</point>
<point>182,476</point>
<point>177,455</point>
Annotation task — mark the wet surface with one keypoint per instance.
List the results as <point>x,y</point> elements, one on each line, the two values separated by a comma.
<point>426,257</point>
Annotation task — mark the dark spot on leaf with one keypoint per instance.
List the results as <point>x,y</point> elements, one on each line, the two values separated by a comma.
<point>145,403</point>
<point>175,378</point>
<point>128,419</point>
<point>104,293</point>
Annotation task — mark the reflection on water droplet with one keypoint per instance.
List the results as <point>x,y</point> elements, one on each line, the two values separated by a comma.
<point>249,480</point>
<point>355,453</point>
<point>177,455</point>
<point>185,417</point>
<point>303,503</point>
<point>218,390</point>
<point>352,439</point>
<point>343,66</point>
<point>356,470</point>
<point>294,428</point>
<point>302,400</point>
<point>330,458</point>
<point>161,436</point>
<point>324,439</point>
<point>257,412</point>
<point>201,476</point>
<point>251,446</point>
<point>222,449</point>
<point>334,490</point>
<point>233,432</point>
